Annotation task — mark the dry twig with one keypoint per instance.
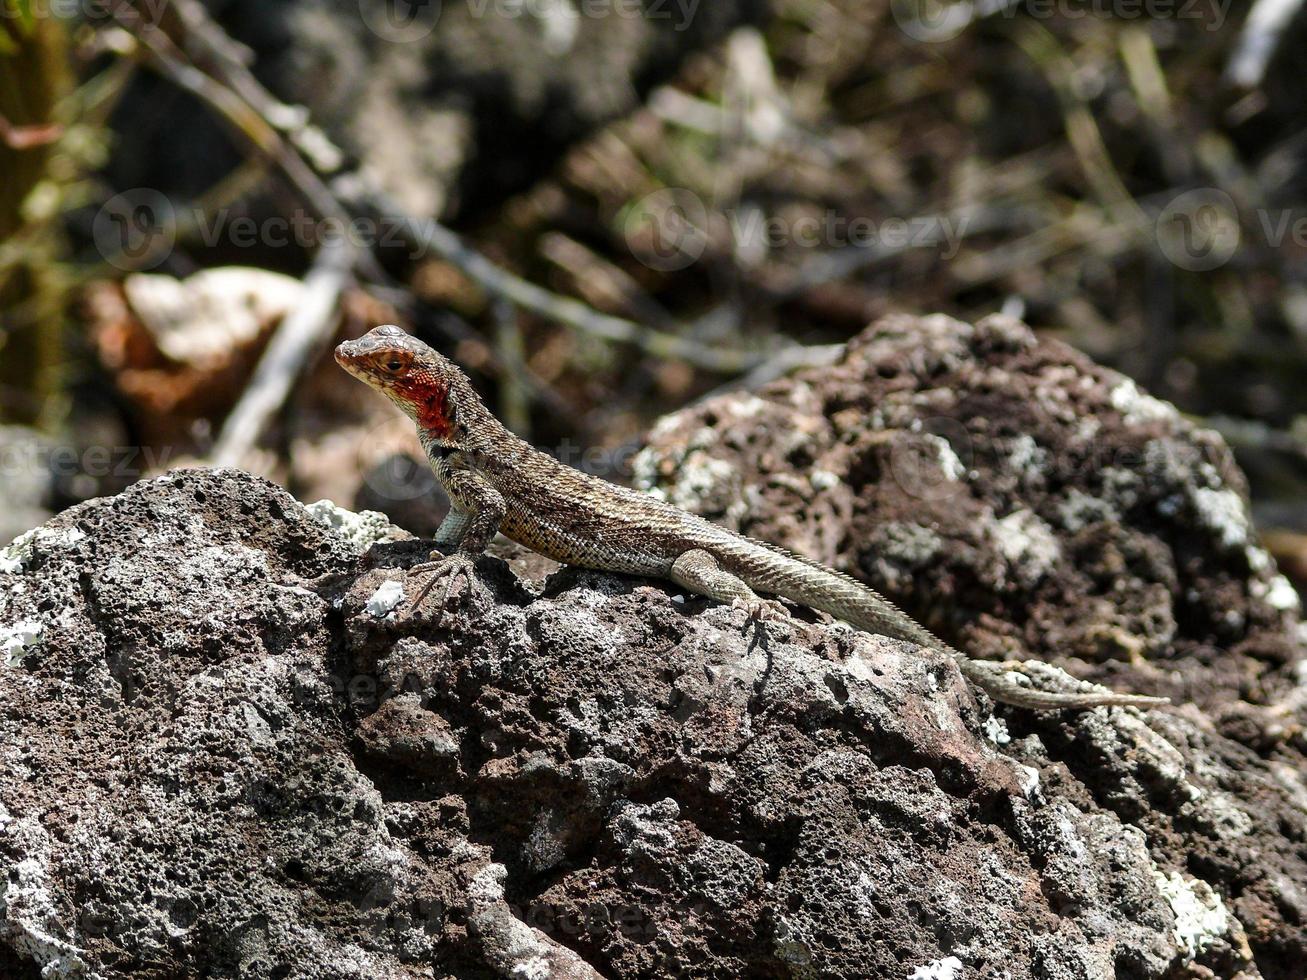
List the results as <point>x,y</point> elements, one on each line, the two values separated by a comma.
<point>296,342</point>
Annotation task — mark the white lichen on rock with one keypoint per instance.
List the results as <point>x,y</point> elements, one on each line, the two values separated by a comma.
<point>1200,915</point>
<point>1223,513</point>
<point>29,910</point>
<point>1078,510</point>
<point>535,968</point>
<point>823,479</point>
<point>948,459</point>
<point>1028,543</point>
<point>644,469</point>
<point>384,601</point>
<point>1138,407</point>
<point>1028,780</point>
<point>1027,457</point>
<point>949,968</point>
<point>700,479</point>
<point>15,557</point>
<point>17,640</point>
<point>361,530</point>
<point>995,730</point>
<point>1281,594</point>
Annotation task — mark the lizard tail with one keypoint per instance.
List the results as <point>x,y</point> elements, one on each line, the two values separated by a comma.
<point>999,682</point>
<point>812,584</point>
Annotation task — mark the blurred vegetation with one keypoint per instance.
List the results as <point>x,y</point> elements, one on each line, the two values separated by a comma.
<point>34,78</point>
<point>1043,145</point>
<point>1056,142</point>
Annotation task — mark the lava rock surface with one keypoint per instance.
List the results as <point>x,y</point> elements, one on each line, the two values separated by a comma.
<point>231,749</point>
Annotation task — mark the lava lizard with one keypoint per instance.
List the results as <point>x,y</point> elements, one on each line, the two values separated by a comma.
<point>498,482</point>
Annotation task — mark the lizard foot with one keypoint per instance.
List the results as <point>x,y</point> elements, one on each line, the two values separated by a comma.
<point>762,610</point>
<point>451,568</point>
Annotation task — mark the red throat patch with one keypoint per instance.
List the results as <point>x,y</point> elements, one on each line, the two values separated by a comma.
<point>431,397</point>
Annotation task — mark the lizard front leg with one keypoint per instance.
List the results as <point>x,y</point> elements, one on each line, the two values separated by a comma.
<point>701,573</point>
<point>473,523</point>
<point>452,529</point>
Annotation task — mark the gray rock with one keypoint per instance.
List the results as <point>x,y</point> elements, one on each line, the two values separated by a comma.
<point>1023,501</point>
<point>221,759</point>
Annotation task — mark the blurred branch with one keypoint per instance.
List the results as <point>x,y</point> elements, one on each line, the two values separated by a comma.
<point>1259,39</point>
<point>239,112</point>
<point>28,137</point>
<point>602,283</point>
<point>442,241</point>
<point>1244,434</point>
<point>231,60</point>
<point>297,340</point>
<point>831,266</point>
<point>790,359</point>
<point>302,333</point>
<point>1044,49</point>
<point>509,347</point>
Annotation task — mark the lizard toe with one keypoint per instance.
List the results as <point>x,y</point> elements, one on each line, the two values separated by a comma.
<point>450,569</point>
<point>762,610</point>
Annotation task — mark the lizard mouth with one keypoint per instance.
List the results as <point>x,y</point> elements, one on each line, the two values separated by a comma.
<point>355,364</point>
<point>348,358</point>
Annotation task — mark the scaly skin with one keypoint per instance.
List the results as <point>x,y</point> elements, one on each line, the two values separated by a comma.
<point>497,482</point>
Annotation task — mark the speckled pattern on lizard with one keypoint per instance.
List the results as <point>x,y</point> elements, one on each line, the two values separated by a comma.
<point>498,482</point>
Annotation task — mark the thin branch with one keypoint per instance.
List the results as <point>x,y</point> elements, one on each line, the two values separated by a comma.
<point>165,56</point>
<point>442,241</point>
<point>1259,40</point>
<point>509,346</point>
<point>311,325</point>
<point>785,361</point>
<point>601,283</point>
<point>28,137</point>
<point>295,343</point>
<point>231,62</point>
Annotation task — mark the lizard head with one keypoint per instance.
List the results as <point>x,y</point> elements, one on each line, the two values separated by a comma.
<point>425,385</point>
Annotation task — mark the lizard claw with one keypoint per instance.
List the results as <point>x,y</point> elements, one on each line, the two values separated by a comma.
<point>452,568</point>
<point>762,610</point>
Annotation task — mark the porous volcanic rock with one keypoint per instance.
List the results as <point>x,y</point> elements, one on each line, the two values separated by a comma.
<point>231,749</point>
<point>1024,501</point>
